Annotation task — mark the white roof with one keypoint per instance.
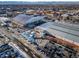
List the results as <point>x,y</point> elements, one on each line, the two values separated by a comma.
<point>29,10</point>
<point>4,18</point>
<point>22,18</point>
<point>64,15</point>
<point>35,19</point>
<point>62,31</point>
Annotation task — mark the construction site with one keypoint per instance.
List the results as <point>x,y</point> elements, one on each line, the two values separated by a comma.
<point>39,32</point>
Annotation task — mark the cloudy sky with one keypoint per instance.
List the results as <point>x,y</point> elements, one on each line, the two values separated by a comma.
<point>38,0</point>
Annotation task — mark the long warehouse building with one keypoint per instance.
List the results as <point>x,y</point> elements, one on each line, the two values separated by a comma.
<point>64,32</point>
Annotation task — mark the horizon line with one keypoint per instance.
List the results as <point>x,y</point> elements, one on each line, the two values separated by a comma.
<point>39,1</point>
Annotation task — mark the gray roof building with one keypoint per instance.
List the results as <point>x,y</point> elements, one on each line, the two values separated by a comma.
<point>64,31</point>
<point>22,18</point>
<point>33,19</point>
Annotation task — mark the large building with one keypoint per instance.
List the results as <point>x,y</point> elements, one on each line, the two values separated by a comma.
<point>60,30</point>
<point>35,21</point>
<point>21,19</point>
